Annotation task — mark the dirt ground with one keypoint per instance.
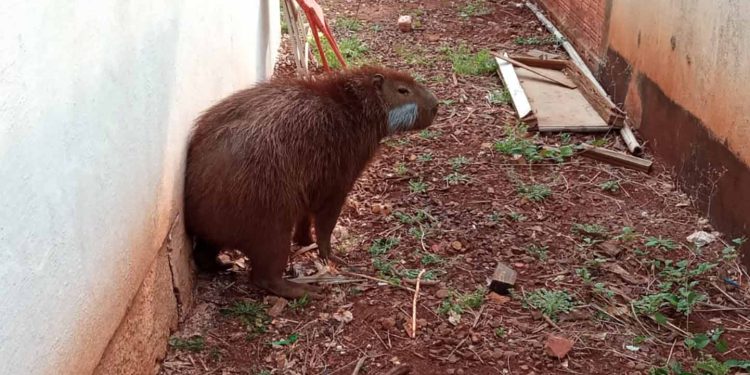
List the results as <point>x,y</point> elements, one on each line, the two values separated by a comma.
<point>600,251</point>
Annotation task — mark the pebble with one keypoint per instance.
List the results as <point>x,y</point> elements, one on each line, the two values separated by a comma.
<point>460,371</point>
<point>525,368</point>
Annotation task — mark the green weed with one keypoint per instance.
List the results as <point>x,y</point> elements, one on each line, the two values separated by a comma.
<point>473,64</point>
<point>456,178</point>
<point>351,24</point>
<point>428,134</point>
<point>499,96</point>
<point>423,158</point>
<point>458,162</point>
<point>474,8</point>
<point>550,302</point>
<point>193,344</point>
<point>661,243</point>
<point>611,186</point>
<point>536,41</point>
<point>250,313</point>
<point>299,303</point>
<point>538,251</point>
<point>417,186</point>
<point>381,246</point>
<point>534,192</point>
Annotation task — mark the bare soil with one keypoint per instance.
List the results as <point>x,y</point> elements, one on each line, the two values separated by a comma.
<point>475,222</point>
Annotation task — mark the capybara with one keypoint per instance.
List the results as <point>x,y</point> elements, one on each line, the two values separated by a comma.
<point>283,155</point>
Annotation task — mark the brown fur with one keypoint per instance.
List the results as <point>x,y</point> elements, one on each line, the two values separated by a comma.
<point>278,153</point>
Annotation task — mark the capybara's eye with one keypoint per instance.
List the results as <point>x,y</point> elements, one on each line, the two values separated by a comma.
<point>403,90</point>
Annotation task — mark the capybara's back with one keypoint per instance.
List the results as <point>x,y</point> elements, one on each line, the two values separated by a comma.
<point>269,156</point>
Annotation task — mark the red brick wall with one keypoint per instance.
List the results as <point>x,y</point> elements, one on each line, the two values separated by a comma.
<point>584,23</point>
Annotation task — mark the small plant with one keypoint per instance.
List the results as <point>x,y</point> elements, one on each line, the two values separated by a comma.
<point>500,332</point>
<point>701,340</point>
<point>550,302</point>
<point>401,169</point>
<point>730,251</point>
<point>428,259</point>
<point>538,251</point>
<point>447,102</point>
<point>417,186</point>
<point>599,142</point>
<point>413,55</point>
<point>602,290</point>
<point>455,178</point>
<point>611,186</point>
<point>557,155</point>
<point>627,234</point>
<point>474,299</point>
<point>287,341</point>
<point>515,143</point>
<point>382,245</point>
<point>412,274</point>
<point>418,232</point>
<point>428,134</point>
<point>499,96</point>
<point>251,313</point>
<point>591,230</point>
<point>419,216</point>
<point>474,8</point>
<point>424,158</point>
<point>516,216</point>
<point>458,162</point>
<point>193,344</point>
<point>376,28</point>
<point>534,192</point>
<point>536,41</point>
<point>299,303</point>
<point>473,64</point>
<point>565,138</point>
<point>351,24</point>
<point>661,243</point>
<point>494,217</point>
<point>584,274</point>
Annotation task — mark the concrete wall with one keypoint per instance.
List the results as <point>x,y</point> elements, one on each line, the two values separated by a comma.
<point>96,101</point>
<point>679,67</point>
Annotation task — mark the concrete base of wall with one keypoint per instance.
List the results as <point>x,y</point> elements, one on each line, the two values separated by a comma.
<point>140,342</point>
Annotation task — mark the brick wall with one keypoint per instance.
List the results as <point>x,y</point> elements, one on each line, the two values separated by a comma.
<point>584,22</point>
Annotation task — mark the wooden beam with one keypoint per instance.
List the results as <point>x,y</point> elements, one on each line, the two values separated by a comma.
<point>537,71</point>
<point>616,158</point>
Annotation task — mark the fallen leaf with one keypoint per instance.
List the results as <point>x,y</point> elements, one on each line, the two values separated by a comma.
<point>457,245</point>
<point>498,299</point>
<point>343,316</point>
<point>277,307</point>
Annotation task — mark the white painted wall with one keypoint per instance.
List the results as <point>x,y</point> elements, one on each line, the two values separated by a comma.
<point>96,101</point>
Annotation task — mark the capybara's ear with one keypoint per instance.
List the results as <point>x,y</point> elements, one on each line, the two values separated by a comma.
<point>377,80</point>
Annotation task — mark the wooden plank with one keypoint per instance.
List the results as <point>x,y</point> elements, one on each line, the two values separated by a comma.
<point>578,61</point>
<point>557,64</point>
<point>566,82</point>
<point>559,108</point>
<point>616,158</point>
<point>517,95</point>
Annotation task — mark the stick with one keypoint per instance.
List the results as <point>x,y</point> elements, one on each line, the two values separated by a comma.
<point>359,365</point>
<point>414,306</point>
<point>535,71</point>
<point>616,158</point>
<point>375,279</point>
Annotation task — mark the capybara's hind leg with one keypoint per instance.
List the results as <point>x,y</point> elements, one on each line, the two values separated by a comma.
<point>269,259</point>
<point>325,221</point>
<point>302,235</point>
<point>206,255</point>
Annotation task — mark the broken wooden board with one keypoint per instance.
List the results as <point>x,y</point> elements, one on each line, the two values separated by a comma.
<point>559,108</point>
<point>616,158</point>
<point>552,108</point>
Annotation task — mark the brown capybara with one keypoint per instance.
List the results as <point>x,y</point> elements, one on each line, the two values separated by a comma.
<point>275,157</point>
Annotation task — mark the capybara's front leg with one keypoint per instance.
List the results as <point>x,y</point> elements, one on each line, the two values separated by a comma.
<point>325,221</point>
<point>269,258</point>
<point>302,235</point>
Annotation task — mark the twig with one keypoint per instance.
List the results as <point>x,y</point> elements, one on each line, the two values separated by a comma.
<point>457,346</point>
<point>376,279</point>
<point>551,322</point>
<point>670,353</point>
<point>414,306</point>
<point>476,320</point>
<point>359,365</point>
<point>380,338</point>
<point>727,295</point>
